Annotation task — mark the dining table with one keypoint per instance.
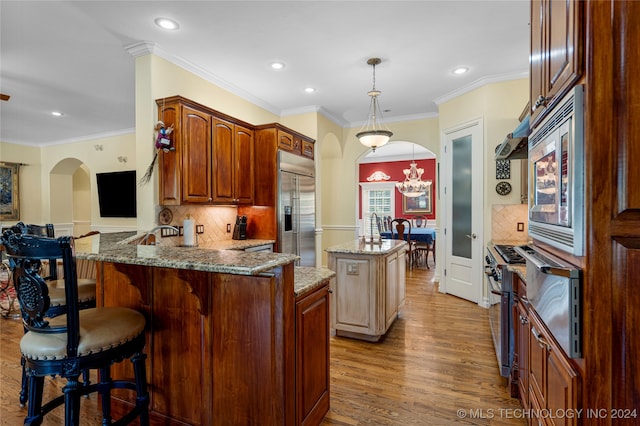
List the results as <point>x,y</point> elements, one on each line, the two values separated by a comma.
<point>423,235</point>
<point>426,236</point>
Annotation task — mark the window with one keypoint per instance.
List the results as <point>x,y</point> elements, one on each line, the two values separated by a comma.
<point>378,198</point>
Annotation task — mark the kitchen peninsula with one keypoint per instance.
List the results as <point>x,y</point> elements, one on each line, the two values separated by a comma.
<point>369,288</point>
<point>232,337</point>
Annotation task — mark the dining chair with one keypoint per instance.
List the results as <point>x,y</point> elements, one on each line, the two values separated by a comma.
<point>398,226</point>
<point>76,341</point>
<point>423,248</point>
<point>387,223</point>
<point>420,221</point>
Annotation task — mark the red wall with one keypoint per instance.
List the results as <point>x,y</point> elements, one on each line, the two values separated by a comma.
<point>394,169</point>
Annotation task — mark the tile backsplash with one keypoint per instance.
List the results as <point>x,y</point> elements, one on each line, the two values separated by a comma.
<point>214,219</point>
<point>504,222</point>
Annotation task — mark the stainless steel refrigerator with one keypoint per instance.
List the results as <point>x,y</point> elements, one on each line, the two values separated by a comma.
<point>297,207</point>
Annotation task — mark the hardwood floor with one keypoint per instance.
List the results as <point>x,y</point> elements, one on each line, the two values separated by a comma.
<point>436,359</point>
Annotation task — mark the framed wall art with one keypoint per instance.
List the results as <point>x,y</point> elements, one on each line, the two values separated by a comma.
<point>419,204</point>
<point>9,196</point>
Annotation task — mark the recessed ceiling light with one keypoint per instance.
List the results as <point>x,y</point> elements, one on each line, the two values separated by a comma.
<point>460,70</point>
<point>167,24</point>
<point>277,65</point>
<point>309,90</point>
<point>57,113</point>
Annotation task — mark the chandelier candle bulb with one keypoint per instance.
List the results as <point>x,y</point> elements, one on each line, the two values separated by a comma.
<point>189,228</point>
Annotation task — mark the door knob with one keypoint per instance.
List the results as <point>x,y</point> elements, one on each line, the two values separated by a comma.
<point>471,237</point>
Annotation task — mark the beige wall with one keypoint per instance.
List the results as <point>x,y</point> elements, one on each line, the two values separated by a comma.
<point>339,157</point>
<point>499,105</point>
<point>337,149</point>
<point>47,179</point>
<point>29,179</point>
<point>158,78</point>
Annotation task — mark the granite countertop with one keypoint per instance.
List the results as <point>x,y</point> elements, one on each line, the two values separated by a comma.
<point>116,247</point>
<point>307,279</point>
<point>236,244</point>
<point>366,248</point>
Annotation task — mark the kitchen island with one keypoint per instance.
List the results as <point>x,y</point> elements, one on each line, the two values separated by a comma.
<point>225,331</point>
<point>369,288</point>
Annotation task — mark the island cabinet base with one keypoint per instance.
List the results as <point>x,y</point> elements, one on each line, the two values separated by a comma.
<point>221,347</point>
<point>369,289</point>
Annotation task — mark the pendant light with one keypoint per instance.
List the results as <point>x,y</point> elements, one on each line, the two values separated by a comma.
<point>413,185</point>
<point>372,135</point>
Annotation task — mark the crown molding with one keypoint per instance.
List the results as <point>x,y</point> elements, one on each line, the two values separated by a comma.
<point>147,47</point>
<point>74,140</point>
<point>479,83</point>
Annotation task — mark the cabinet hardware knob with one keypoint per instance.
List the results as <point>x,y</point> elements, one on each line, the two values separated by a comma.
<point>330,290</point>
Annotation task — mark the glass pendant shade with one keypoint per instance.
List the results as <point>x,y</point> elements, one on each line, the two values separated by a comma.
<point>413,185</point>
<point>372,135</point>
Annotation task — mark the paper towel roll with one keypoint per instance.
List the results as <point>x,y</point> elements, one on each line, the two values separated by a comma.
<point>189,232</point>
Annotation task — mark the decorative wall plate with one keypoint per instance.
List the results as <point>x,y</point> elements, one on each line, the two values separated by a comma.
<point>165,216</point>
<point>503,188</point>
<point>503,169</point>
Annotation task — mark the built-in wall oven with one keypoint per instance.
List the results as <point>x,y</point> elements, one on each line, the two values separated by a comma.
<point>499,281</point>
<point>556,176</point>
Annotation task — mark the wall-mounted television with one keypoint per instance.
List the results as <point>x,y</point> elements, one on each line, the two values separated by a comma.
<point>117,193</point>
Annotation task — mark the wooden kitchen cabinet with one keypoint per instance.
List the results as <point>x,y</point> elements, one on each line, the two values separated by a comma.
<point>170,163</point>
<point>213,159</point>
<point>268,140</point>
<point>556,57</point>
<point>195,132</point>
<point>240,366</point>
<point>232,154</point>
<point>554,384</point>
<point>312,356</point>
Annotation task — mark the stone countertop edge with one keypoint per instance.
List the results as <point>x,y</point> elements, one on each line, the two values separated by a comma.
<point>115,248</point>
<point>365,248</point>
<point>307,279</point>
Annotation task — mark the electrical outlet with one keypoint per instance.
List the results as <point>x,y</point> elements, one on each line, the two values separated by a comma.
<point>520,227</point>
<point>167,232</point>
<point>199,229</point>
<point>228,227</point>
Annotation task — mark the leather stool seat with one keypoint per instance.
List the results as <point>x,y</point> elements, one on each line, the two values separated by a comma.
<point>86,292</point>
<point>100,329</point>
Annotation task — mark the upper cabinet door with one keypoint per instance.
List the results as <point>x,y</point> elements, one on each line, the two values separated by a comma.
<point>223,165</point>
<point>556,61</point>
<point>196,156</point>
<point>244,173</point>
<point>285,140</point>
<point>169,163</point>
<point>233,181</point>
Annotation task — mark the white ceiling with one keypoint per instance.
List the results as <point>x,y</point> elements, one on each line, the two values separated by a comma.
<point>70,56</point>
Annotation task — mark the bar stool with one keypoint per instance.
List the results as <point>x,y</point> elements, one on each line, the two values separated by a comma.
<point>73,342</point>
<point>57,299</point>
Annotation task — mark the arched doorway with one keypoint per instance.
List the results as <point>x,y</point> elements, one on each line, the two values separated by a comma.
<point>70,197</point>
<point>379,171</point>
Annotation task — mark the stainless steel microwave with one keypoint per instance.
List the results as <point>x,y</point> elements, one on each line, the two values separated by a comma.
<point>556,176</point>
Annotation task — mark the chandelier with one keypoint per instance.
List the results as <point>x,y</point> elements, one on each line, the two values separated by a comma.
<point>372,135</point>
<point>413,185</point>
